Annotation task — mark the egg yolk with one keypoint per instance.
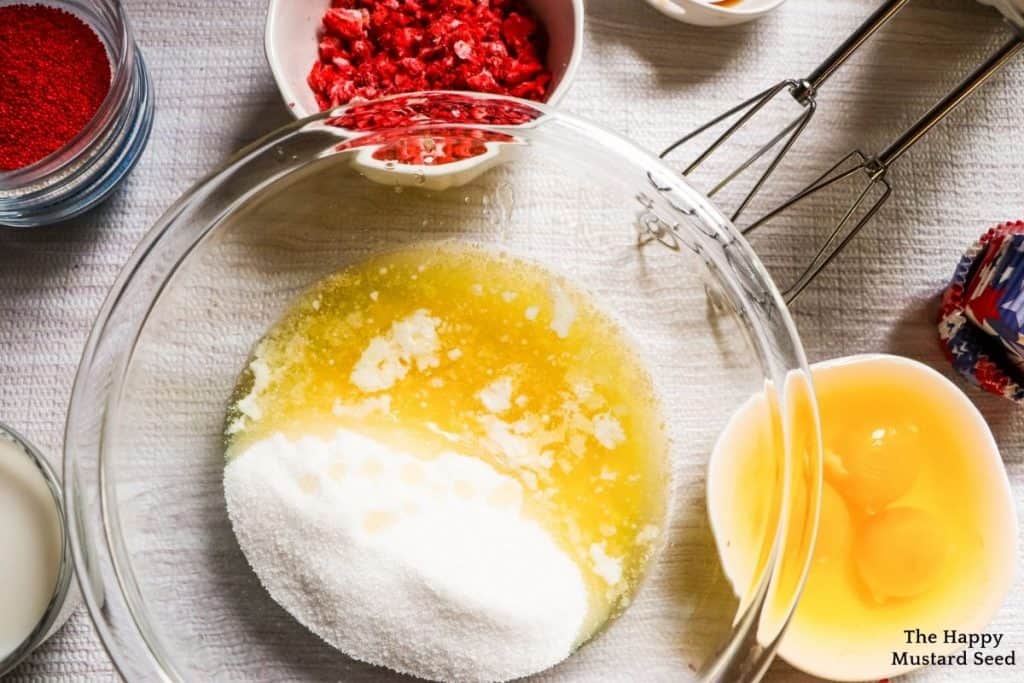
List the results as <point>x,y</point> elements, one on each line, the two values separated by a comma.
<point>875,465</point>
<point>901,553</point>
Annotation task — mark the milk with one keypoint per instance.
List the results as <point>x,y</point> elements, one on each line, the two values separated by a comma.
<point>30,545</point>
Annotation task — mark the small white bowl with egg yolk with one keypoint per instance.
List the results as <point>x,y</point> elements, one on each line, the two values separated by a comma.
<point>917,527</point>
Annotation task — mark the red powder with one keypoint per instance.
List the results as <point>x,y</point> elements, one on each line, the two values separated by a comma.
<point>372,48</point>
<point>54,73</point>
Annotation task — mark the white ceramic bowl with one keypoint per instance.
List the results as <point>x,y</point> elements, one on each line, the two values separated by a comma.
<point>825,655</point>
<point>291,46</point>
<point>703,13</point>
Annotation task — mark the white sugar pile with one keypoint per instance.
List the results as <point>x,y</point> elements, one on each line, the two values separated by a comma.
<point>427,567</point>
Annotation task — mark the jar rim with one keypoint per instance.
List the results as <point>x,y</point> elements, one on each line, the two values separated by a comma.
<point>62,586</point>
<point>118,43</point>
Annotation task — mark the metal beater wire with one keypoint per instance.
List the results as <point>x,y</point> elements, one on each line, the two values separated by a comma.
<point>803,91</point>
<point>876,168</point>
<point>873,168</point>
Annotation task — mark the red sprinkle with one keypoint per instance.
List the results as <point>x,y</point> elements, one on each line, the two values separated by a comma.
<point>54,74</point>
<point>372,48</point>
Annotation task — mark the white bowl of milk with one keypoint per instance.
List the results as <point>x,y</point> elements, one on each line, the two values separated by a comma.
<point>36,587</point>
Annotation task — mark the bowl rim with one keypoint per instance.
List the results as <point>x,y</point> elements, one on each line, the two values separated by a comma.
<point>114,33</point>
<point>774,334</point>
<point>677,9</point>
<point>288,94</point>
<point>54,614</point>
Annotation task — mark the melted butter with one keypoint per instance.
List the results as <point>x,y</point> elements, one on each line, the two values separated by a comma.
<point>442,348</point>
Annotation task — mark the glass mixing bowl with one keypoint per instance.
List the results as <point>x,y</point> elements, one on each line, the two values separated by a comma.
<point>164,579</point>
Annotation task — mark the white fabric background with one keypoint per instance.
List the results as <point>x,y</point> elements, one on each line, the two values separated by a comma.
<point>643,76</point>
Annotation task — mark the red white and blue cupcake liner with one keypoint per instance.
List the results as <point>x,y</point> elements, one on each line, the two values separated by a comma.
<point>981,318</point>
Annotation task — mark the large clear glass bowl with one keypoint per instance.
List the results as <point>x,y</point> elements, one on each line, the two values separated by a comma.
<point>164,579</point>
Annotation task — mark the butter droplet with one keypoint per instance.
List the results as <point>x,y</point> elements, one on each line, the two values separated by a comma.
<point>506,495</point>
<point>337,471</point>
<point>371,468</point>
<point>412,473</point>
<point>378,521</point>
<point>308,483</point>
<point>463,489</point>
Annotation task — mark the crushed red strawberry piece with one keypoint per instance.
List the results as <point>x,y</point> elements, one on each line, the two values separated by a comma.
<point>373,48</point>
<point>416,130</point>
<point>422,110</point>
<point>435,146</point>
<point>346,23</point>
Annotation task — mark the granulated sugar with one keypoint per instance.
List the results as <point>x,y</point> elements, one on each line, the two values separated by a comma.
<point>427,567</point>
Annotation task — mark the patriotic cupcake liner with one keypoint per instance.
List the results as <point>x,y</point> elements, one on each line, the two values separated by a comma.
<point>981,318</point>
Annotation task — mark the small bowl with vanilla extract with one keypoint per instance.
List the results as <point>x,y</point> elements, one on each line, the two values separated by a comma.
<point>715,13</point>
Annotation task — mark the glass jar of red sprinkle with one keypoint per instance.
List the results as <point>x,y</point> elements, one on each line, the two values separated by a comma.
<point>76,107</point>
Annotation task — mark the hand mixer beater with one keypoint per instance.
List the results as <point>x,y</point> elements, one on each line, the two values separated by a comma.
<point>869,170</point>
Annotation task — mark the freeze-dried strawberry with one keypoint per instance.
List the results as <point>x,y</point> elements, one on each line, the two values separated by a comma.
<point>518,30</point>
<point>370,48</point>
<point>520,73</point>
<point>406,41</point>
<point>432,147</point>
<point>483,81</point>
<point>421,110</point>
<point>331,48</point>
<point>346,23</point>
<point>463,49</point>
<point>361,50</point>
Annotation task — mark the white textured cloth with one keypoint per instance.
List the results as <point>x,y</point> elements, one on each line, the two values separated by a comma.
<point>645,77</point>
